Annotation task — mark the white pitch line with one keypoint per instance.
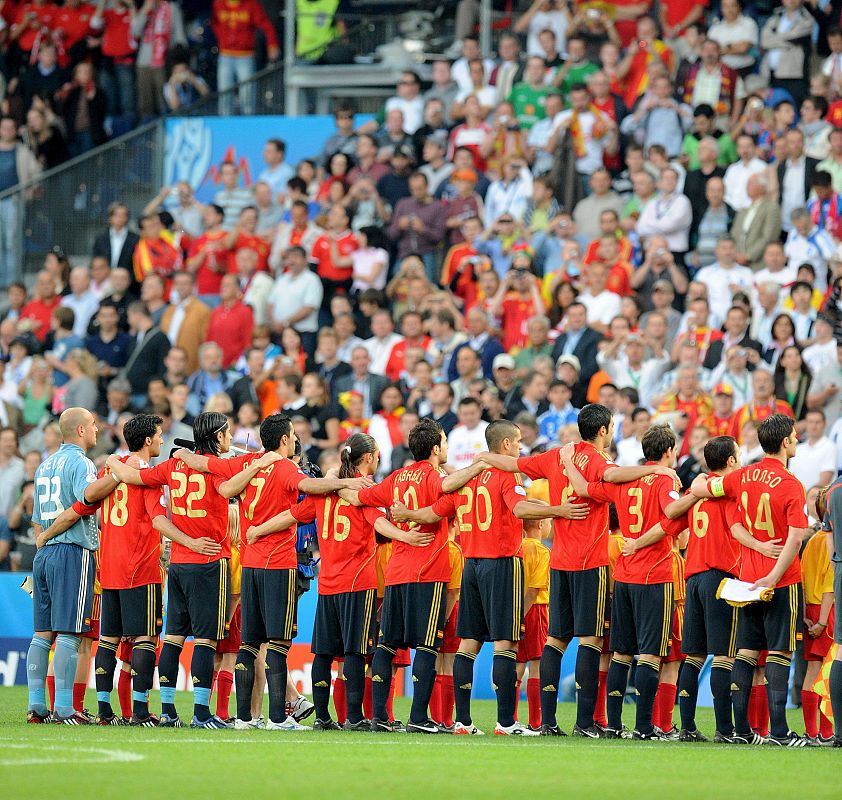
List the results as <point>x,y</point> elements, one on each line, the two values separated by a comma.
<point>72,757</point>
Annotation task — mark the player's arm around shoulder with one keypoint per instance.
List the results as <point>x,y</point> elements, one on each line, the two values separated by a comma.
<point>97,488</point>
<point>64,521</point>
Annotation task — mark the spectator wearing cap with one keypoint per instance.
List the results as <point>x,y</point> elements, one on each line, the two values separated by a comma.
<point>465,204</point>
<point>436,167</point>
<point>560,411</point>
<point>580,341</point>
<point>758,225</point>
<point>505,382</point>
<point>568,369</point>
<point>723,409</point>
<point>394,185</point>
<point>627,365</point>
<point>806,242</point>
<point>418,224</point>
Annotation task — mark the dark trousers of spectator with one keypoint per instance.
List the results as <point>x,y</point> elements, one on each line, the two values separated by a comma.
<point>80,142</point>
<point>308,342</point>
<point>150,91</point>
<point>797,87</point>
<point>331,288</point>
<point>118,84</point>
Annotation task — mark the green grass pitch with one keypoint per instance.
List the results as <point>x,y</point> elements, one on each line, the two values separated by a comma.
<point>40,761</point>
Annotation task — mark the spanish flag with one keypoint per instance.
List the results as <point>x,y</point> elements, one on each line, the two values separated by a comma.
<point>822,685</point>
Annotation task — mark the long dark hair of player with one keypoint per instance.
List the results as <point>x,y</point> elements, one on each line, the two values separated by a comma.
<point>206,427</point>
<point>352,452</point>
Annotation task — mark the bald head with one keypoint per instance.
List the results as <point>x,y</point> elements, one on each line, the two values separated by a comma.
<point>74,423</point>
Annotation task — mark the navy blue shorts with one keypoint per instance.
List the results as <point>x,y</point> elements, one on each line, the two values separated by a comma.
<point>491,600</point>
<point>63,588</point>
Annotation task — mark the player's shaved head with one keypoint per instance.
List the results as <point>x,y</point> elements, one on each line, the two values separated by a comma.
<point>497,432</point>
<point>71,420</point>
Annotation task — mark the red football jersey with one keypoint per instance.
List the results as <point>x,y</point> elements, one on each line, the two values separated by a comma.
<point>346,542</point>
<point>711,544</point>
<point>640,506</point>
<point>484,507</point>
<point>771,500</point>
<point>198,509</point>
<point>129,547</point>
<point>273,490</point>
<point>416,486</point>
<point>578,544</point>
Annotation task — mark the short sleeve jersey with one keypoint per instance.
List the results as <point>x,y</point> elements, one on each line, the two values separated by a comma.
<point>771,500</point>
<point>273,490</point>
<point>536,569</point>
<point>457,564</point>
<point>61,481</point>
<point>198,509</point>
<point>711,544</point>
<point>640,506</point>
<point>817,568</point>
<point>484,509</point>
<point>416,486</point>
<point>129,546</point>
<point>345,541</point>
<point>578,544</point>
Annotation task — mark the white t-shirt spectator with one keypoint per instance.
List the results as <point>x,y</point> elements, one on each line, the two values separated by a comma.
<point>555,21</point>
<point>736,182</point>
<point>379,351</point>
<point>811,460</point>
<point>742,29</point>
<point>719,281</point>
<point>464,443</point>
<point>602,307</point>
<point>629,452</point>
<point>291,292</point>
<point>413,111</point>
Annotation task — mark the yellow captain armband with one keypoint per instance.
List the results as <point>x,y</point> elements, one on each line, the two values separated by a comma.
<point>716,487</point>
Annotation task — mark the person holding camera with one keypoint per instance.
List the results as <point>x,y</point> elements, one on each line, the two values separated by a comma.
<point>184,87</point>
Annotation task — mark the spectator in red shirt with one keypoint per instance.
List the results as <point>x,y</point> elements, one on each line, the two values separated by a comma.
<point>119,49</point>
<point>517,300</point>
<point>235,23</point>
<point>31,22</point>
<point>412,330</point>
<point>331,254</point>
<point>71,25</point>
<point>231,322</point>
<point>39,310</point>
<point>209,256</point>
<point>245,235</point>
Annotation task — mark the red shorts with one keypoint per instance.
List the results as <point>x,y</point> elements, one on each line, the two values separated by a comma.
<point>402,658</point>
<point>675,653</point>
<point>450,643</point>
<point>124,652</point>
<point>232,642</point>
<point>761,659</point>
<point>530,647</point>
<point>96,610</point>
<point>816,649</point>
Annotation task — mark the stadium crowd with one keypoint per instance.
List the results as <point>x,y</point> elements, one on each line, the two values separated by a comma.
<point>632,210</point>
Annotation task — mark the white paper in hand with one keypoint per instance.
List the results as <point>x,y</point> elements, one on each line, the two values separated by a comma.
<point>740,593</point>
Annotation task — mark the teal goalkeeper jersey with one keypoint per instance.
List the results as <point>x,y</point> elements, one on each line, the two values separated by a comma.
<point>60,481</point>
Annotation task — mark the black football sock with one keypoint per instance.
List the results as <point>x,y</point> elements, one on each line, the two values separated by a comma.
<point>615,686</point>
<point>463,681</point>
<point>688,690</point>
<point>550,674</point>
<point>201,668</point>
<point>720,688</point>
<point>587,683</point>
<point>381,681</point>
<point>168,676</point>
<point>777,686</point>
<point>354,672</point>
<point>836,694</point>
<point>646,683</point>
<point>105,663</point>
<point>320,677</point>
<point>423,679</point>
<point>742,674</point>
<point>276,680</point>
<point>244,678</point>
<point>143,673</point>
<point>504,678</point>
